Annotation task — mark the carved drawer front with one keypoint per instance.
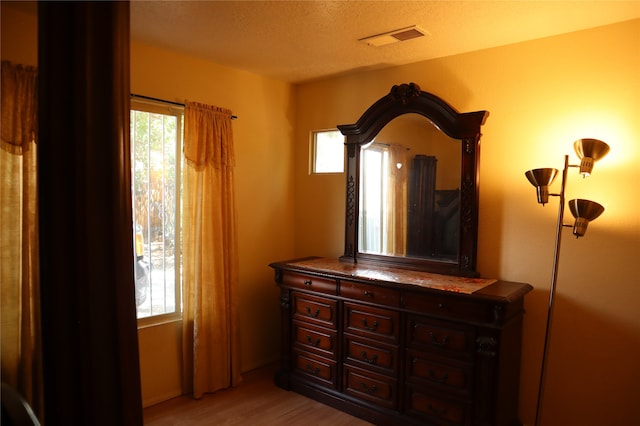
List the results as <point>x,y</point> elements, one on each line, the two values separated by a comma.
<point>449,307</point>
<point>440,336</point>
<point>317,369</point>
<point>371,355</point>
<point>369,321</point>
<point>366,385</point>
<point>441,375</point>
<point>315,339</point>
<point>440,411</point>
<point>370,293</point>
<point>310,283</point>
<point>314,309</point>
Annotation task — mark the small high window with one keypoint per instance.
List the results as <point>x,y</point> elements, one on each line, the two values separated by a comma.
<point>328,152</point>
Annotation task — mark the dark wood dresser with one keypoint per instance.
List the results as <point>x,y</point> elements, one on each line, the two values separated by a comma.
<point>400,347</point>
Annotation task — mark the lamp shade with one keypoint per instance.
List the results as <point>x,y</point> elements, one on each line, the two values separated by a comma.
<point>541,179</point>
<point>584,211</point>
<point>589,151</point>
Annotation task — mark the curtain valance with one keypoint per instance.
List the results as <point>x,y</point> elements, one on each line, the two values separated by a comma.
<point>207,133</point>
<point>19,107</point>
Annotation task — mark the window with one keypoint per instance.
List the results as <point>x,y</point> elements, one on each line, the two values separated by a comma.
<point>328,151</point>
<point>156,152</point>
<point>374,198</point>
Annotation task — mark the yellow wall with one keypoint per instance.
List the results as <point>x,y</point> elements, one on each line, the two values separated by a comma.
<point>542,95</point>
<point>19,39</point>
<point>264,199</point>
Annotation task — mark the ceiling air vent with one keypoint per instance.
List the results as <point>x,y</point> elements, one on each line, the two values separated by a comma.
<point>395,36</point>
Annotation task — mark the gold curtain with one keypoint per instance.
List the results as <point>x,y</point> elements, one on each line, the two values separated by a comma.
<point>21,351</point>
<point>397,201</point>
<point>210,260</point>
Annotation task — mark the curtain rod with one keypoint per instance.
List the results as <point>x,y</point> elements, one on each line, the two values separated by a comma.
<point>149,98</point>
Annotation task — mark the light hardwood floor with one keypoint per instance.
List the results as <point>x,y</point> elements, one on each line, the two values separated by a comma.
<point>256,401</point>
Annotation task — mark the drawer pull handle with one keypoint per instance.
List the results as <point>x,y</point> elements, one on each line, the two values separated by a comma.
<point>313,314</point>
<point>438,411</point>
<point>435,341</point>
<point>312,343</point>
<point>371,360</point>
<point>442,305</point>
<point>371,327</point>
<point>442,379</point>
<point>312,370</point>
<point>307,282</point>
<point>368,293</point>
<point>369,389</point>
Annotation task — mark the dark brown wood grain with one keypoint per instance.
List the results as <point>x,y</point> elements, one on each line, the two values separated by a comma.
<point>401,353</point>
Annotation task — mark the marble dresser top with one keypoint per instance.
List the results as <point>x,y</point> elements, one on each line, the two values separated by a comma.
<point>394,275</point>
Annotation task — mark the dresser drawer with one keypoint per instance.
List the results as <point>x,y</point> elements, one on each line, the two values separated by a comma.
<point>449,306</point>
<point>371,355</point>
<point>316,369</point>
<point>368,386</point>
<point>314,309</point>
<point>443,375</point>
<point>440,336</point>
<point>312,338</point>
<point>438,410</point>
<point>310,283</point>
<point>370,293</point>
<point>371,322</point>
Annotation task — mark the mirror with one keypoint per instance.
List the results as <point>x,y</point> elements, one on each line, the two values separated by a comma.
<point>409,191</point>
<point>412,193</point>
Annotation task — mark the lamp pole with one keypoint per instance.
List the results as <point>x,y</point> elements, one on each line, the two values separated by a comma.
<point>552,289</point>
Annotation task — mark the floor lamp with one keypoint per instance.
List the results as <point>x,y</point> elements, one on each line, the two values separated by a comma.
<point>584,211</point>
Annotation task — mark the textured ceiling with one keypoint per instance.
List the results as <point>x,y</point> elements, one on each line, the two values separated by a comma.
<point>297,41</point>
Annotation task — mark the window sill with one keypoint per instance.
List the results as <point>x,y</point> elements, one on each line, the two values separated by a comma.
<point>159,320</point>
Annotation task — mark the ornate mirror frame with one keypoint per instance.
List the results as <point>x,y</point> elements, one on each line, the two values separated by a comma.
<point>405,99</point>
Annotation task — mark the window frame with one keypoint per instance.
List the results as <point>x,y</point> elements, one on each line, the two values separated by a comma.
<point>166,108</point>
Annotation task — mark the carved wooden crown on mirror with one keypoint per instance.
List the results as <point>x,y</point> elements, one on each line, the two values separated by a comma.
<point>463,127</point>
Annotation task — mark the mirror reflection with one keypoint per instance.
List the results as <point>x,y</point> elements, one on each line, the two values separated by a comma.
<point>410,191</point>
